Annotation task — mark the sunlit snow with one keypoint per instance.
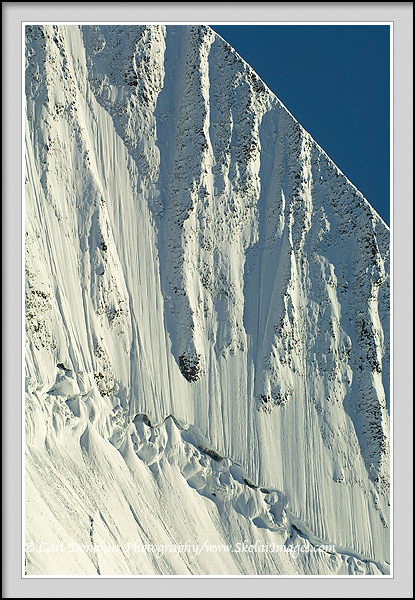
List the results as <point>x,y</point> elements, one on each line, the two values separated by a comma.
<point>207,318</point>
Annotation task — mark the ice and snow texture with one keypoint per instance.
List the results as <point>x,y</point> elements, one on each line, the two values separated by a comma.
<point>191,251</point>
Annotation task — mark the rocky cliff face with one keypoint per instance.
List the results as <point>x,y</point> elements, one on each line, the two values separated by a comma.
<point>207,316</point>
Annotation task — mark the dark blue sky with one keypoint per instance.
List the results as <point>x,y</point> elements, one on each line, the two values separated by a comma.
<point>335,80</point>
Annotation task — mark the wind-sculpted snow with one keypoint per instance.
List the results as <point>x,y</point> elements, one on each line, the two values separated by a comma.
<point>191,251</point>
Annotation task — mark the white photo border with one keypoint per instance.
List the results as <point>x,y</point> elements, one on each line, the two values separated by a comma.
<point>401,226</point>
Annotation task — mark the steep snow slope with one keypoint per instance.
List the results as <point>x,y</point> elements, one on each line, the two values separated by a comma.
<point>191,251</point>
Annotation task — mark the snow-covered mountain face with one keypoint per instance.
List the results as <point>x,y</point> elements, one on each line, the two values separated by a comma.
<point>207,318</point>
